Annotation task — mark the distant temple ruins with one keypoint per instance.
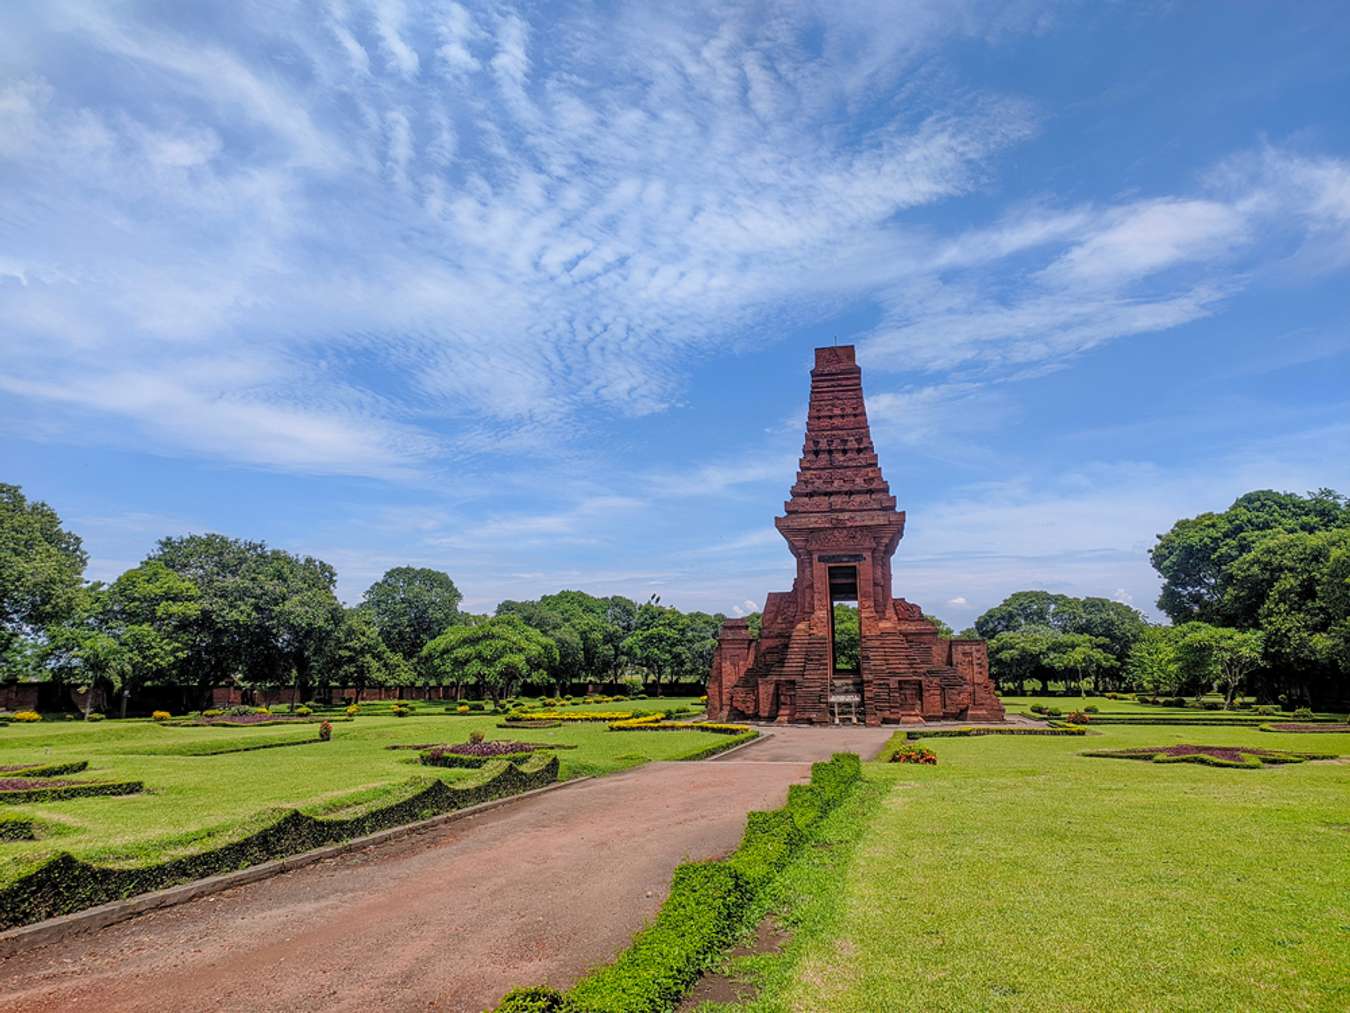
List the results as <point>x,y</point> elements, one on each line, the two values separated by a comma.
<point>842,526</point>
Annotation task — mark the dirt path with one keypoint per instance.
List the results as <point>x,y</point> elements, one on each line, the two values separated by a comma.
<point>536,891</point>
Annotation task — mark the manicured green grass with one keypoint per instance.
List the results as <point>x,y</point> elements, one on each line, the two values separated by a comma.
<point>193,798</point>
<point>1019,875</point>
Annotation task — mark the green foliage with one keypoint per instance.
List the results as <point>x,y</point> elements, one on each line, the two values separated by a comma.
<point>410,606</point>
<point>41,571</point>
<point>943,629</point>
<point>1154,662</point>
<point>501,653</point>
<point>61,792</point>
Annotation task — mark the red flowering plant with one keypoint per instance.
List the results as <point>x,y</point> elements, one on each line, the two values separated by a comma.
<point>325,731</point>
<point>910,753</point>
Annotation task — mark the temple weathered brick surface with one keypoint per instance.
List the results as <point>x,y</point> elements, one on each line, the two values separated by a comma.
<point>842,526</point>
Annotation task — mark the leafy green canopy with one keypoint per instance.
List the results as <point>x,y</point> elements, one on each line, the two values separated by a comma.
<point>410,605</point>
<point>499,654</point>
<point>41,569</point>
<point>1278,563</point>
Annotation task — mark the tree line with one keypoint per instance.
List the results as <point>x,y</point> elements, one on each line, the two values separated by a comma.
<point>209,610</point>
<point>1258,598</point>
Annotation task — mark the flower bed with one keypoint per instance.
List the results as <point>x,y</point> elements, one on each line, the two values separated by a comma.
<point>65,883</point>
<point>1246,757</point>
<point>476,754</point>
<point>18,790</point>
<point>708,903</point>
<point>913,754</point>
<point>573,715</point>
<point>1303,727</point>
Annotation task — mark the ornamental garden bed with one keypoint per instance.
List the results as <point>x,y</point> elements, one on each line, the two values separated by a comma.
<point>476,754</point>
<point>1243,757</point>
<point>1304,727</point>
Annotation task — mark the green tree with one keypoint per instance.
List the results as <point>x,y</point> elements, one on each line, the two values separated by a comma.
<point>410,605</point>
<point>1018,655</point>
<point>1082,655</point>
<point>264,614</point>
<point>41,574</point>
<point>1195,556</point>
<point>1153,664</point>
<point>499,654</point>
<point>943,629</point>
<point>150,611</point>
<point>659,645</point>
<point>357,656</point>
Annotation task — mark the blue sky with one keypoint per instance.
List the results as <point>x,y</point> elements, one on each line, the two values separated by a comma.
<point>528,293</point>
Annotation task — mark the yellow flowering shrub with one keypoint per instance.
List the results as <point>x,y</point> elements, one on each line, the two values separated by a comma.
<point>27,716</point>
<point>160,716</point>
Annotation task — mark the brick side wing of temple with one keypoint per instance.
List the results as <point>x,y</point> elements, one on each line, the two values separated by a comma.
<point>842,526</point>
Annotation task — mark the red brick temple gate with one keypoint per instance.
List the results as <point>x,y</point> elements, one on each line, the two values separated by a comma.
<point>842,526</point>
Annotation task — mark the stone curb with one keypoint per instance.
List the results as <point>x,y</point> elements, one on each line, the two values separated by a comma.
<point>26,937</point>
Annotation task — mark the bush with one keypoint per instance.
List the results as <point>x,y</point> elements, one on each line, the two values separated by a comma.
<point>911,753</point>
<point>541,999</point>
<point>1303,713</point>
<point>325,731</point>
<point>1176,701</point>
<point>27,716</point>
<point>1267,709</point>
<point>160,716</point>
<point>303,711</point>
<point>462,709</point>
<point>1091,708</point>
<point>261,710</point>
<point>212,712</point>
<point>475,736</point>
<point>1053,712</point>
<point>353,710</point>
<point>94,716</point>
<point>1211,705</point>
<point>1038,708</point>
<point>1078,718</point>
<point>400,710</point>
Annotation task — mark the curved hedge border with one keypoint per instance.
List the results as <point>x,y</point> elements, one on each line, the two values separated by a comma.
<point>707,905</point>
<point>473,762</point>
<point>1247,761</point>
<point>66,884</point>
<point>200,748</point>
<point>45,769</point>
<point>57,793</point>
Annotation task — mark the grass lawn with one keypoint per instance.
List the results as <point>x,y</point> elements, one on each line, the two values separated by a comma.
<point>195,796</point>
<point>1019,875</point>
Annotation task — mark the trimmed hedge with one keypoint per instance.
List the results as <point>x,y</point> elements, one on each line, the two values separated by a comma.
<point>45,769</point>
<point>657,725</point>
<point>723,743</point>
<point>200,748</point>
<point>65,883</point>
<point>17,828</point>
<point>707,906</point>
<point>957,733</point>
<point>474,762</point>
<point>58,793</point>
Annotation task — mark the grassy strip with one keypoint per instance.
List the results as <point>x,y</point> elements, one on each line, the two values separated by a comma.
<point>1168,719</point>
<point>651,725</point>
<point>59,793</point>
<point>227,723</point>
<point>65,884</point>
<point>46,769</point>
<point>709,903</point>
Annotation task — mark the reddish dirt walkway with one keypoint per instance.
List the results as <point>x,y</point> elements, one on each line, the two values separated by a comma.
<point>536,891</point>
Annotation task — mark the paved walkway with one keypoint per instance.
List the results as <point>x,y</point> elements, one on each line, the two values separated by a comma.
<point>535,891</point>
